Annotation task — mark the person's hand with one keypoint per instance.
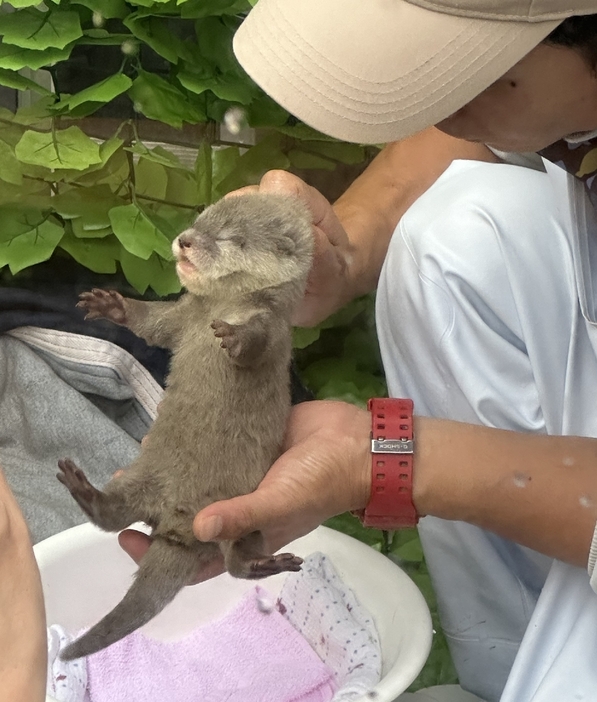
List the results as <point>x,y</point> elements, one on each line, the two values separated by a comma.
<point>328,284</point>
<point>23,639</point>
<point>324,471</point>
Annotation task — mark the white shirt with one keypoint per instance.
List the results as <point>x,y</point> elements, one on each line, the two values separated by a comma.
<point>486,314</point>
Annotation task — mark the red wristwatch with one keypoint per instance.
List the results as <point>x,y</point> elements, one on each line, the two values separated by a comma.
<point>391,504</point>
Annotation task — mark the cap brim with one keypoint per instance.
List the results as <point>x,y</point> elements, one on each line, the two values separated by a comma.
<point>374,71</point>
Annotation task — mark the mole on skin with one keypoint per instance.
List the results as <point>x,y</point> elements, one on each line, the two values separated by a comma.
<point>244,263</point>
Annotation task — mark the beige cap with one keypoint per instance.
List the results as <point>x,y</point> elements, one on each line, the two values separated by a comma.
<point>373,71</point>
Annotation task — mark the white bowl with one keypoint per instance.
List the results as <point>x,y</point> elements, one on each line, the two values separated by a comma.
<point>85,573</point>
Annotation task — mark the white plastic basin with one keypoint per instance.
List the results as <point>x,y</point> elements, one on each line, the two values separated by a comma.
<point>85,573</point>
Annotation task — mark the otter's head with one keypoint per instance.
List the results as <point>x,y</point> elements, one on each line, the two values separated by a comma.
<point>247,242</point>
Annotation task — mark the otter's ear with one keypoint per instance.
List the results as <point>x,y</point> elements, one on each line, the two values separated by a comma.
<point>285,245</point>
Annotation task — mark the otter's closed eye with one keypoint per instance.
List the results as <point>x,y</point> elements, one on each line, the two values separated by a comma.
<point>285,245</point>
<point>229,236</point>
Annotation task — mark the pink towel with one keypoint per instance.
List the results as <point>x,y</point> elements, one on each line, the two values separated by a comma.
<point>247,656</point>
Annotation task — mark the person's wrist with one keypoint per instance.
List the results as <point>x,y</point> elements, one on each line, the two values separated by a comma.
<point>363,491</point>
<point>358,459</point>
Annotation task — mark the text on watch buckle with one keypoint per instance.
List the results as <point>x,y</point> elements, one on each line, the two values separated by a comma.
<point>391,446</point>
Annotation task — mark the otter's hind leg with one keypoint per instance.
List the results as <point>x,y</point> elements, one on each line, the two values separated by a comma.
<point>109,511</point>
<point>246,558</point>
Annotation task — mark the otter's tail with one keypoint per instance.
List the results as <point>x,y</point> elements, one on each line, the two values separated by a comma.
<point>164,570</point>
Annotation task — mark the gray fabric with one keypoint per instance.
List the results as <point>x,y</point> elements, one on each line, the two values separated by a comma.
<point>50,409</point>
<point>440,693</point>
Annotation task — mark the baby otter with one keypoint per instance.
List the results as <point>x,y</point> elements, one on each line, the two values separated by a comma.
<point>244,263</point>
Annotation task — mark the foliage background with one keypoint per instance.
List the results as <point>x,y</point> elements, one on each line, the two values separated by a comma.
<point>89,180</point>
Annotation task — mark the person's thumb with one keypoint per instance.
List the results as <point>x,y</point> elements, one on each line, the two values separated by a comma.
<point>231,519</point>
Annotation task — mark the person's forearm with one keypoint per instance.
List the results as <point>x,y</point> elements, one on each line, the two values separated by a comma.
<point>372,206</point>
<point>540,491</point>
<point>22,619</point>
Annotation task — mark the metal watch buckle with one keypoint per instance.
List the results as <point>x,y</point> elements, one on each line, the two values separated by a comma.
<point>391,446</point>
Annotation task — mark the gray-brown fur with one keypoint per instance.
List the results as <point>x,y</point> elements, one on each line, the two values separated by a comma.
<point>222,419</point>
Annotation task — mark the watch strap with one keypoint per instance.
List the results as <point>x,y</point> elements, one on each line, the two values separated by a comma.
<point>392,445</point>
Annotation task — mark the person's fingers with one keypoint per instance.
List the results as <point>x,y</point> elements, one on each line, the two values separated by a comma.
<point>230,519</point>
<point>322,212</point>
<point>247,190</point>
<point>134,542</point>
<point>272,508</point>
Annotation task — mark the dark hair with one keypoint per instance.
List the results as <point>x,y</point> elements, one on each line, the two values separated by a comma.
<point>578,33</point>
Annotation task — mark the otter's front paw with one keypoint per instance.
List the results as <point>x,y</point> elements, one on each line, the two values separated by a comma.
<point>230,337</point>
<point>107,304</point>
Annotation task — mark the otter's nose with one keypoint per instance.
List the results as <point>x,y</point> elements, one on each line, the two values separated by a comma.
<point>184,241</point>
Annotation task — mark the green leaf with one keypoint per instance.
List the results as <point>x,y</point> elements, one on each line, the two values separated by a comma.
<point>99,255</point>
<point>157,7</point>
<point>15,58</point>
<point>32,247</point>
<point>322,371</point>
<point>113,161</point>
<point>196,9</point>
<point>203,173</point>
<point>169,220</point>
<point>109,147</point>
<point>264,112</point>
<point>39,113</point>
<point>81,232</point>
<point>154,32</point>
<point>182,188</point>
<point>224,161</point>
<point>108,9</point>
<point>88,207</point>
<point>114,172</point>
<point>30,189</point>
<point>151,179</point>
<point>357,390</point>
<point>157,155</point>
<point>137,234</point>
<point>407,547</point>
<point>214,38</point>
<point>154,272</point>
<point>67,148</point>
<point>12,79</point>
<point>158,99</point>
<point>196,63</point>
<point>227,87</point>
<point>362,347</point>
<point>19,219</point>
<point>304,336</point>
<point>10,168</point>
<point>344,391</point>
<point>10,131</point>
<point>348,313</point>
<point>252,165</point>
<point>23,3</point>
<point>30,28</point>
<point>100,37</point>
<point>100,93</point>
<point>302,159</point>
<point>169,5</point>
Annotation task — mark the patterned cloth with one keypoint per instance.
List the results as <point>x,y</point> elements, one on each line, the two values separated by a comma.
<point>327,614</point>
<point>578,158</point>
